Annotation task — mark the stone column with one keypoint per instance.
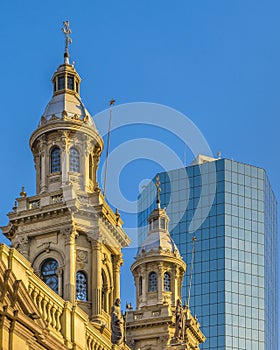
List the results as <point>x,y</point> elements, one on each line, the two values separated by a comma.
<point>96,159</point>
<point>42,164</point>
<point>143,273</point>
<point>137,289</point>
<point>160,283</point>
<point>117,262</point>
<point>43,172</point>
<point>85,164</point>
<point>70,263</point>
<point>96,278</point>
<point>65,158</point>
<point>60,285</point>
<point>175,285</point>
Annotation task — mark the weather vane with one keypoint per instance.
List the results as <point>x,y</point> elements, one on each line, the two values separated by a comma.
<point>67,31</point>
<point>158,191</point>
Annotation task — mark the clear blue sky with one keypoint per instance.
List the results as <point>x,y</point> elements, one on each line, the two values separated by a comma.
<point>215,61</point>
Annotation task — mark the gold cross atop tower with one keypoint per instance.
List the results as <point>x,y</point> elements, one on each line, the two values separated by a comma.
<point>67,31</point>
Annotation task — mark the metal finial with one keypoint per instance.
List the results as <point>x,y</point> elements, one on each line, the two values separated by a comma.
<point>67,31</point>
<point>158,191</point>
<point>22,193</point>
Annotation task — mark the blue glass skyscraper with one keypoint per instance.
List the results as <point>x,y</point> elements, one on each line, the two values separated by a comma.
<point>231,209</point>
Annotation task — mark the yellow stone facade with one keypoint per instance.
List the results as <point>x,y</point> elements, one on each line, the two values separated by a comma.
<point>34,317</point>
<point>60,280</point>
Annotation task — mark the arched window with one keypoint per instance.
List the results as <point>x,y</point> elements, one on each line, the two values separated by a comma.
<point>55,160</point>
<point>162,223</point>
<point>81,286</point>
<point>49,275</point>
<point>140,285</point>
<point>70,82</point>
<point>74,160</point>
<point>152,282</point>
<point>166,282</point>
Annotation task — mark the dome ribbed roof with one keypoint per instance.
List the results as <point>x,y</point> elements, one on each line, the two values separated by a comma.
<point>66,102</point>
<point>158,236</point>
<point>158,240</point>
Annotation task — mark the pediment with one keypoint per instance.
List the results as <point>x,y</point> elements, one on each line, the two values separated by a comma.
<point>14,295</point>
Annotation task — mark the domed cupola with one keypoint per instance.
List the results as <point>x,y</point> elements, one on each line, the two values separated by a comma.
<point>66,145</point>
<point>159,268</point>
<point>158,235</point>
<point>66,95</point>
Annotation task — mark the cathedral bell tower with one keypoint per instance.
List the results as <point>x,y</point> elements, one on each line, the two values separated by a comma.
<point>67,231</point>
<point>159,321</point>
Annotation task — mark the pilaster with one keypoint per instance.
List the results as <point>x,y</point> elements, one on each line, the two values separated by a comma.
<point>97,279</point>
<point>70,259</point>
<point>117,262</point>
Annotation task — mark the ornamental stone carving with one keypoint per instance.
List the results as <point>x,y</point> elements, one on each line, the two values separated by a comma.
<point>22,246</point>
<point>82,256</point>
<point>70,234</point>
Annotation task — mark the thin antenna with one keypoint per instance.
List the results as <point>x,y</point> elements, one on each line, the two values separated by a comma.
<point>108,146</point>
<point>191,270</point>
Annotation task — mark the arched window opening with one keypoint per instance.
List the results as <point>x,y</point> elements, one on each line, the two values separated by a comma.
<point>74,160</point>
<point>81,286</point>
<point>70,82</point>
<point>90,167</point>
<point>49,273</point>
<point>166,282</point>
<point>152,282</point>
<point>54,86</point>
<point>155,224</point>
<point>61,82</point>
<point>55,160</point>
<point>162,223</point>
<point>104,292</point>
<point>140,285</point>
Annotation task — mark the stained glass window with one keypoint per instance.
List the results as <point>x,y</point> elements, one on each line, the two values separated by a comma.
<point>166,282</point>
<point>74,160</point>
<point>81,286</point>
<point>152,282</point>
<point>48,273</point>
<point>55,160</point>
